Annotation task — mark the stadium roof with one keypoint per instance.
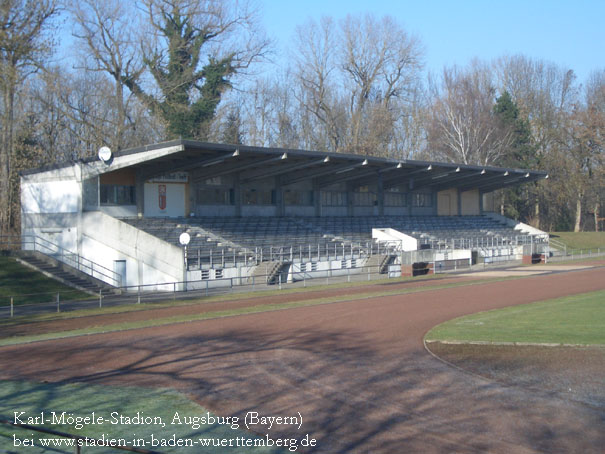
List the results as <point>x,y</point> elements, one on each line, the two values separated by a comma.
<point>291,166</point>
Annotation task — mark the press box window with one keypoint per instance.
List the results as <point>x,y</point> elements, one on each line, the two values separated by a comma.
<point>114,194</point>
<point>394,199</point>
<point>259,197</point>
<point>422,200</point>
<point>216,196</point>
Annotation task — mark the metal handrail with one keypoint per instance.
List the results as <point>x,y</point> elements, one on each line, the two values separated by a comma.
<point>65,256</point>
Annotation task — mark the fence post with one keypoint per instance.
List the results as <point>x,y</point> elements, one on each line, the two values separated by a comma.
<point>139,294</point>
<point>12,308</point>
<point>58,302</point>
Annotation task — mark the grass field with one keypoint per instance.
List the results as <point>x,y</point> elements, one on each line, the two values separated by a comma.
<point>580,240</point>
<point>28,286</point>
<point>82,399</point>
<point>577,319</point>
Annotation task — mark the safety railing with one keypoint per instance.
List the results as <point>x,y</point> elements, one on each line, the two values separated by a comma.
<point>297,276</point>
<point>232,257</point>
<point>59,253</point>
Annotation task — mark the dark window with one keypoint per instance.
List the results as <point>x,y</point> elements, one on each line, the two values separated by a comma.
<point>422,200</point>
<point>300,198</point>
<point>394,199</point>
<point>333,199</point>
<point>115,194</point>
<point>259,197</point>
<point>215,196</point>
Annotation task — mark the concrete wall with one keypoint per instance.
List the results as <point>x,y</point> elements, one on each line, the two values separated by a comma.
<point>300,210</point>
<point>447,202</point>
<point>174,202</point>
<point>149,260</point>
<point>404,242</point>
<point>215,210</point>
<point>50,196</point>
<point>470,203</point>
<point>489,202</point>
<point>119,211</point>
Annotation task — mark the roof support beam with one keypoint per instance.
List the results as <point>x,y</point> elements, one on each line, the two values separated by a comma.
<point>188,166</point>
<point>500,180</point>
<point>284,170</point>
<point>239,168</point>
<point>330,170</point>
<point>446,182</point>
<point>348,176</point>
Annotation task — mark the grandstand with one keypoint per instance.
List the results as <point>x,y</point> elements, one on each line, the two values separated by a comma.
<point>249,207</point>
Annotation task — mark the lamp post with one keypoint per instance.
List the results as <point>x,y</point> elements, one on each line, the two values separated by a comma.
<point>184,239</point>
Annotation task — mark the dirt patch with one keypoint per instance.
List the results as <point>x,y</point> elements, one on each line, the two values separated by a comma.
<point>573,373</point>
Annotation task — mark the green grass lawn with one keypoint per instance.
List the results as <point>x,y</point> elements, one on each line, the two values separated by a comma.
<point>28,286</point>
<point>82,399</point>
<point>580,240</point>
<point>577,319</point>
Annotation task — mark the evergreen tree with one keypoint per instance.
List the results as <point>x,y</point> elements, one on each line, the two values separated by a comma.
<point>518,202</point>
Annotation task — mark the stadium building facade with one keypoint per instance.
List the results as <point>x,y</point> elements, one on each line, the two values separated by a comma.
<point>250,208</point>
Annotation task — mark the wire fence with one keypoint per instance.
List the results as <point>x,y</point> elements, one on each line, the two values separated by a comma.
<point>292,278</point>
<point>576,254</point>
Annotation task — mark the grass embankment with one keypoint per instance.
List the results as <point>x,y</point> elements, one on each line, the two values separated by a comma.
<point>30,287</point>
<point>81,400</point>
<point>580,240</point>
<point>575,320</point>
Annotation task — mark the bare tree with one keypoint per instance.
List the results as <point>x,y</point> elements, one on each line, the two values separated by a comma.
<point>355,80</point>
<point>24,41</point>
<point>381,62</point>
<point>316,66</point>
<point>105,28</point>
<point>463,127</point>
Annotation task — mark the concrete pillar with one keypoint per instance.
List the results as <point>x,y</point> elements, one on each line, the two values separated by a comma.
<point>140,192</point>
<point>280,206</point>
<point>350,209</point>
<point>380,195</point>
<point>237,192</point>
<point>317,198</point>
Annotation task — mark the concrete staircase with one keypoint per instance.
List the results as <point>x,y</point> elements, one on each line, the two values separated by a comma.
<point>61,272</point>
<point>269,272</point>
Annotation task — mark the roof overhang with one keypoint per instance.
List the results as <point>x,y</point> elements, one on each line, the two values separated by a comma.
<point>207,160</point>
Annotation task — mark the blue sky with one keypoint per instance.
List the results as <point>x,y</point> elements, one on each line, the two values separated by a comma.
<point>568,33</point>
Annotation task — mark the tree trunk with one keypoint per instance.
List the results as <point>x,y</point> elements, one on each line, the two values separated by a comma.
<point>5,157</point>
<point>537,214</point>
<point>596,214</point>
<point>578,214</point>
